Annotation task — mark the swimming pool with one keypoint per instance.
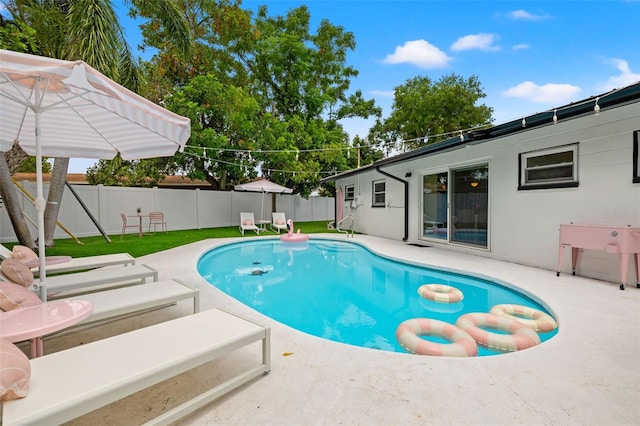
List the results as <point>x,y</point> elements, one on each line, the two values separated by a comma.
<point>343,292</point>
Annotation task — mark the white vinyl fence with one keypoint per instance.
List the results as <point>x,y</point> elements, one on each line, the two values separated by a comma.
<point>182,208</point>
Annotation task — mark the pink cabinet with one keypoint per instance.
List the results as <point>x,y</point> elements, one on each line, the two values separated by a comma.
<point>621,240</point>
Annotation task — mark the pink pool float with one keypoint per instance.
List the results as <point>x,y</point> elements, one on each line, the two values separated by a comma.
<point>290,237</point>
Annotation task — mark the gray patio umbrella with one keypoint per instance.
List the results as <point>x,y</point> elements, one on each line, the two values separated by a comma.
<point>57,108</point>
<point>264,186</point>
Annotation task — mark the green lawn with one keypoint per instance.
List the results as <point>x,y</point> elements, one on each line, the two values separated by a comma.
<point>158,241</point>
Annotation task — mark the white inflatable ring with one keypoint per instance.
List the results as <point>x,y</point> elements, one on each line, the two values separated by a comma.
<point>408,334</point>
<point>440,293</point>
<point>532,318</point>
<point>520,336</point>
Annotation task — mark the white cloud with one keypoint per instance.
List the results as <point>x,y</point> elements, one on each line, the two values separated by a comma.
<point>521,46</point>
<point>625,78</point>
<point>383,93</point>
<point>523,15</point>
<point>420,53</point>
<point>480,41</point>
<point>547,93</point>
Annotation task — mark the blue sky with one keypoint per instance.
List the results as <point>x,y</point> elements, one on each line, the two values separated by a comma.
<point>529,56</point>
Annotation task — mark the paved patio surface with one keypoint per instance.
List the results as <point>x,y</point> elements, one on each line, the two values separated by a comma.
<point>588,374</point>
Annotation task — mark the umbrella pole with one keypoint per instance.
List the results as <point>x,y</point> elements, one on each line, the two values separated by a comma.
<point>40,202</point>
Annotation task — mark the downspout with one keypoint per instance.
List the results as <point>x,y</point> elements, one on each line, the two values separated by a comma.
<point>406,201</point>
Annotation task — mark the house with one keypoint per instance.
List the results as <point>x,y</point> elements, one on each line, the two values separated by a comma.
<point>502,192</point>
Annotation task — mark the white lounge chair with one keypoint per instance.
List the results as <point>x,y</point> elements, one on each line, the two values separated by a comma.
<point>116,276</point>
<point>278,222</point>
<point>119,302</point>
<point>248,223</point>
<point>79,263</point>
<point>70,383</point>
<point>110,304</point>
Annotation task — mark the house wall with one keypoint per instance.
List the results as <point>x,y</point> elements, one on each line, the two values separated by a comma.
<point>524,224</point>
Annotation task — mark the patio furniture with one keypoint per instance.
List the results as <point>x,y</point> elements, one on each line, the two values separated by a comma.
<point>155,219</point>
<point>33,322</point>
<point>112,276</point>
<point>114,303</point>
<point>125,225</point>
<point>67,384</point>
<point>248,223</point>
<point>278,222</point>
<point>75,264</point>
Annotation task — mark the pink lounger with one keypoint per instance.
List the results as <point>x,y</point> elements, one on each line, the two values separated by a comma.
<point>70,383</point>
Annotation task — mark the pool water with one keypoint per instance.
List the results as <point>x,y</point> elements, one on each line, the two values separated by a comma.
<point>343,292</point>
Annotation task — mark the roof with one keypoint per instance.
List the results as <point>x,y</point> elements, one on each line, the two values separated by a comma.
<point>611,99</point>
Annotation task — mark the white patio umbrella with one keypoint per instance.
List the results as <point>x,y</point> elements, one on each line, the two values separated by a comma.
<point>264,186</point>
<point>57,108</point>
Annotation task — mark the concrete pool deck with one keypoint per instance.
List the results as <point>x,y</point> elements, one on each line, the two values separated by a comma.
<point>588,374</point>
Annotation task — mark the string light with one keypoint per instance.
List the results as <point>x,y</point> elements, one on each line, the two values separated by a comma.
<point>244,166</point>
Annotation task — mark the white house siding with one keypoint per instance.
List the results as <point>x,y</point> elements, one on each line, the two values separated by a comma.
<point>524,224</point>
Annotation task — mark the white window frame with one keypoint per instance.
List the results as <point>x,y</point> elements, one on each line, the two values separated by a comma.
<point>571,181</point>
<point>375,203</point>
<point>349,192</point>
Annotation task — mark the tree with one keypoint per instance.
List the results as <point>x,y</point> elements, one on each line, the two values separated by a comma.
<point>297,78</point>
<point>119,172</point>
<point>422,108</point>
<point>224,122</point>
<point>88,30</point>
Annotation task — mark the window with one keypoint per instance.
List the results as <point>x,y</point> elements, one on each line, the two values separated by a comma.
<point>378,193</point>
<point>636,156</point>
<point>349,192</point>
<point>549,168</point>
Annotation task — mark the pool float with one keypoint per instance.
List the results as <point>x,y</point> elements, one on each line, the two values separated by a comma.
<point>408,335</point>
<point>520,336</point>
<point>532,318</point>
<point>440,293</point>
<point>290,237</point>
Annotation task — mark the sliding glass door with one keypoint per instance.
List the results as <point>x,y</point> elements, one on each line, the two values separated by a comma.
<point>455,205</point>
<point>435,202</point>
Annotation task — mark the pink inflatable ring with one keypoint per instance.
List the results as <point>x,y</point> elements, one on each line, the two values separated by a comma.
<point>532,318</point>
<point>440,293</point>
<point>520,336</point>
<point>408,334</point>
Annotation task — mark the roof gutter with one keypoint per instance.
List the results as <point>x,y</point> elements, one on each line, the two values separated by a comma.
<point>406,201</point>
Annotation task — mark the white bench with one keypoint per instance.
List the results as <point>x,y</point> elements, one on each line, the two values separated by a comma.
<point>110,304</point>
<point>89,262</point>
<point>96,277</point>
<point>68,384</point>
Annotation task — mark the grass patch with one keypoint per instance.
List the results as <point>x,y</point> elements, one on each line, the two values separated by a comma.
<point>158,241</point>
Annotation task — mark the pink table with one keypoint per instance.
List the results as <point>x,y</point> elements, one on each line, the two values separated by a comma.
<point>36,321</point>
<point>140,216</point>
<point>262,224</point>
<point>622,240</point>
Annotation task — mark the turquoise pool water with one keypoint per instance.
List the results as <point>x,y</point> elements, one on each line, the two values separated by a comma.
<point>343,292</point>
